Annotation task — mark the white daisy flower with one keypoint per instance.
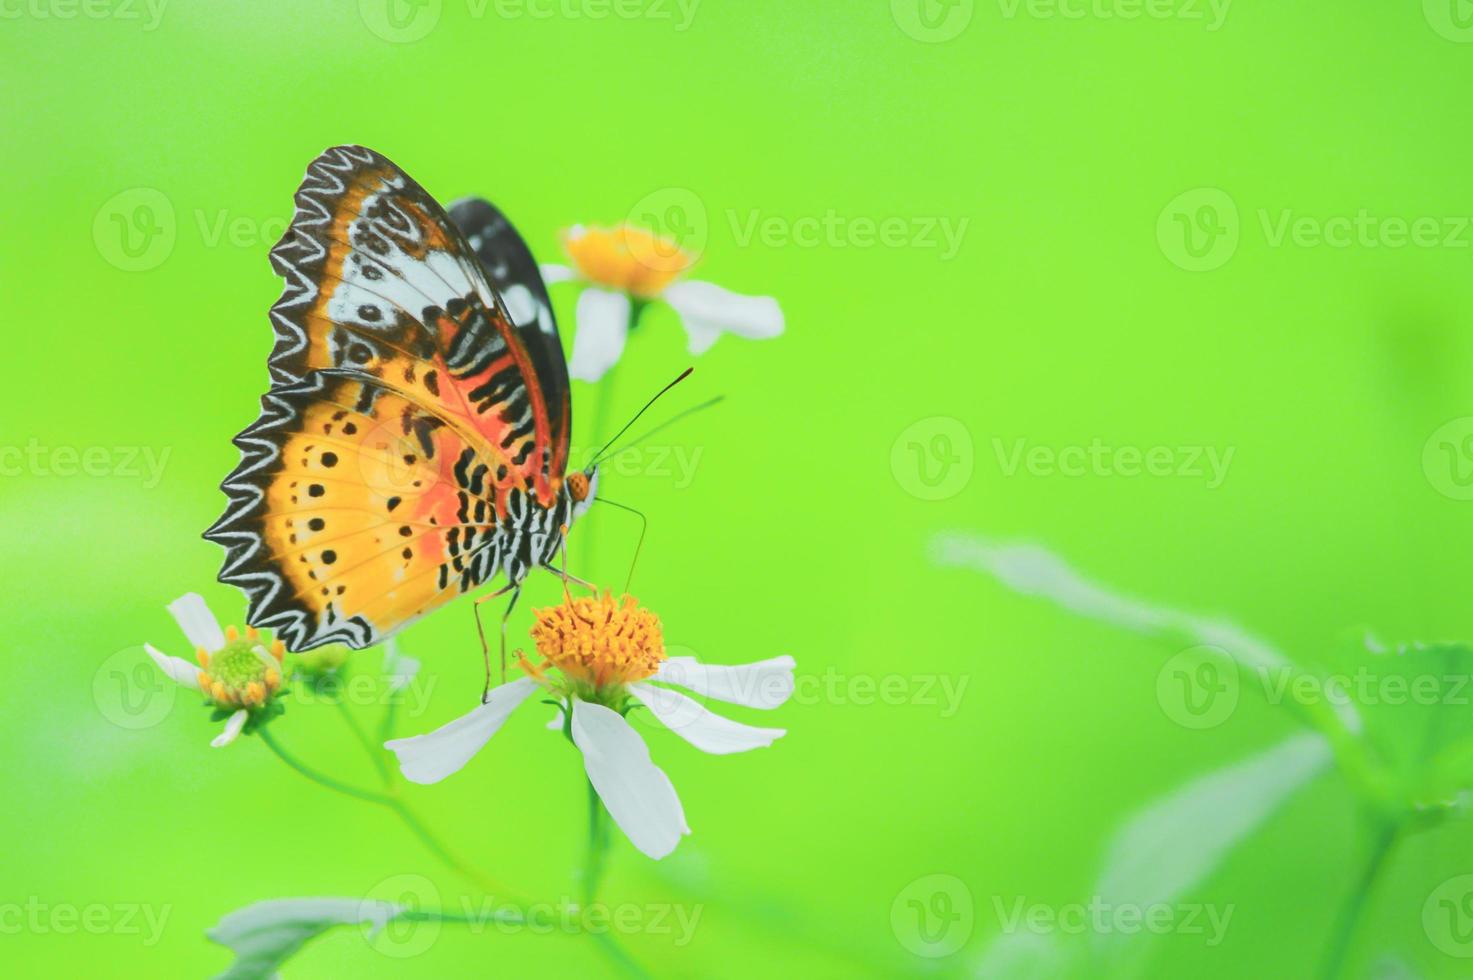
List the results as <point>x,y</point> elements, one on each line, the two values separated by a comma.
<point>624,269</point>
<point>233,671</point>
<point>601,660</point>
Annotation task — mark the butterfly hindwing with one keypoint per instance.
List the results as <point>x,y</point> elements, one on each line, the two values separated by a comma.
<point>356,511</point>
<point>409,448</point>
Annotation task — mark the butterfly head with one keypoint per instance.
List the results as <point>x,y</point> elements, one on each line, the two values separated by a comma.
<point>582,489</point>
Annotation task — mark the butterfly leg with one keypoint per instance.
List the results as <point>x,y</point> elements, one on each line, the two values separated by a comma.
<point>516,590</point>
<point>568,576</point>
<point>563,572</point>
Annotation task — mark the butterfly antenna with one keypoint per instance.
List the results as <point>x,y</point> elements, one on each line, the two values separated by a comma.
<point>644,525</point>
<point>671,421</point>
<point>600,454</point>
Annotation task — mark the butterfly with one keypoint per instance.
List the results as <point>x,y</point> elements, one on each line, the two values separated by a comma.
<point>414,441</point>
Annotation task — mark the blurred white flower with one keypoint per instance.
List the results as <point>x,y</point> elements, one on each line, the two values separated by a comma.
<point>609,658</point>
<point>624,269</point>
<point>399,669</point>
<point>233,671</point>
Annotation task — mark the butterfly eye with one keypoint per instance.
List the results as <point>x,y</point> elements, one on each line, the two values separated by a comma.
<point>578,486</point>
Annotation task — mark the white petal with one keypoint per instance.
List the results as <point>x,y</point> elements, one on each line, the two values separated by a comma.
<point>708,311</point>
<point>553,273</point>
<point>706,731</point>
<point>603,325</point>
<point>764,684</point>
<point>430,758</point>
<point>233,725</point>
<point>179,671</point>
<point>197,622</point>
<point>639,795</point>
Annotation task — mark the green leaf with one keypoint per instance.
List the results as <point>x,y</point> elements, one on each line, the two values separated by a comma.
<point>1031,569</point>
<point>265,935</point>
<point>1417,701</point>
<point>1173,844</point>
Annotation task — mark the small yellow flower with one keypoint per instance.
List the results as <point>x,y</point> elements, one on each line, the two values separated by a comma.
<point>626,258</point>
<point>242,674</point>
<point>611,657</point>
<point>623,271</point>
<point>234,671</point>
<point>600,642</point>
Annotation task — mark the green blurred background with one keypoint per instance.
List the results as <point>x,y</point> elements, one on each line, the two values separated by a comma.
<point>1059,150</point>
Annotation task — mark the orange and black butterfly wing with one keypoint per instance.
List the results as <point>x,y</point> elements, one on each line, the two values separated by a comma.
<point>406,449</point>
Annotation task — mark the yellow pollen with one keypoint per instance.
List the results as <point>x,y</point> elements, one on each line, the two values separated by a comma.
<point>273,680</point>
<point>626,258</point>
<point>278,650</point>
<point>204,682</point>
<point>252,633</point>
<point>202,656</point>
<point>218,693</point>
<point>599,641</point>
<point>255,693</point>
<point>231,634</point>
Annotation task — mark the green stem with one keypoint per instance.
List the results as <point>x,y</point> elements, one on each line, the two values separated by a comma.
<point>598,846</point>
<point>386,723</point>
<point>374,754</point>
<point>600,428</point>
<point>317,777</point>
<point>411,819</point>
<point>1382,844</point>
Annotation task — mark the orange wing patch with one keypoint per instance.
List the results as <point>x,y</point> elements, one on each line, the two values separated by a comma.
<point>361,512</point>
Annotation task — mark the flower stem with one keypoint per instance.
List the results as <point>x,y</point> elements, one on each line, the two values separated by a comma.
<point>411,819</point>
<point>1383,842</point>
<point>314,775</point>
<point>598,846</point>
<point>373,752</point>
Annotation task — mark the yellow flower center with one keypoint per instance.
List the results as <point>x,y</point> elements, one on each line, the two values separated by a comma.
<point>626,258</point>
<point>600,642</point>
<point>241,673</point>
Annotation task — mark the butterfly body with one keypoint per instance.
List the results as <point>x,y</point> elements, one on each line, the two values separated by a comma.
<point>414,443</point>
